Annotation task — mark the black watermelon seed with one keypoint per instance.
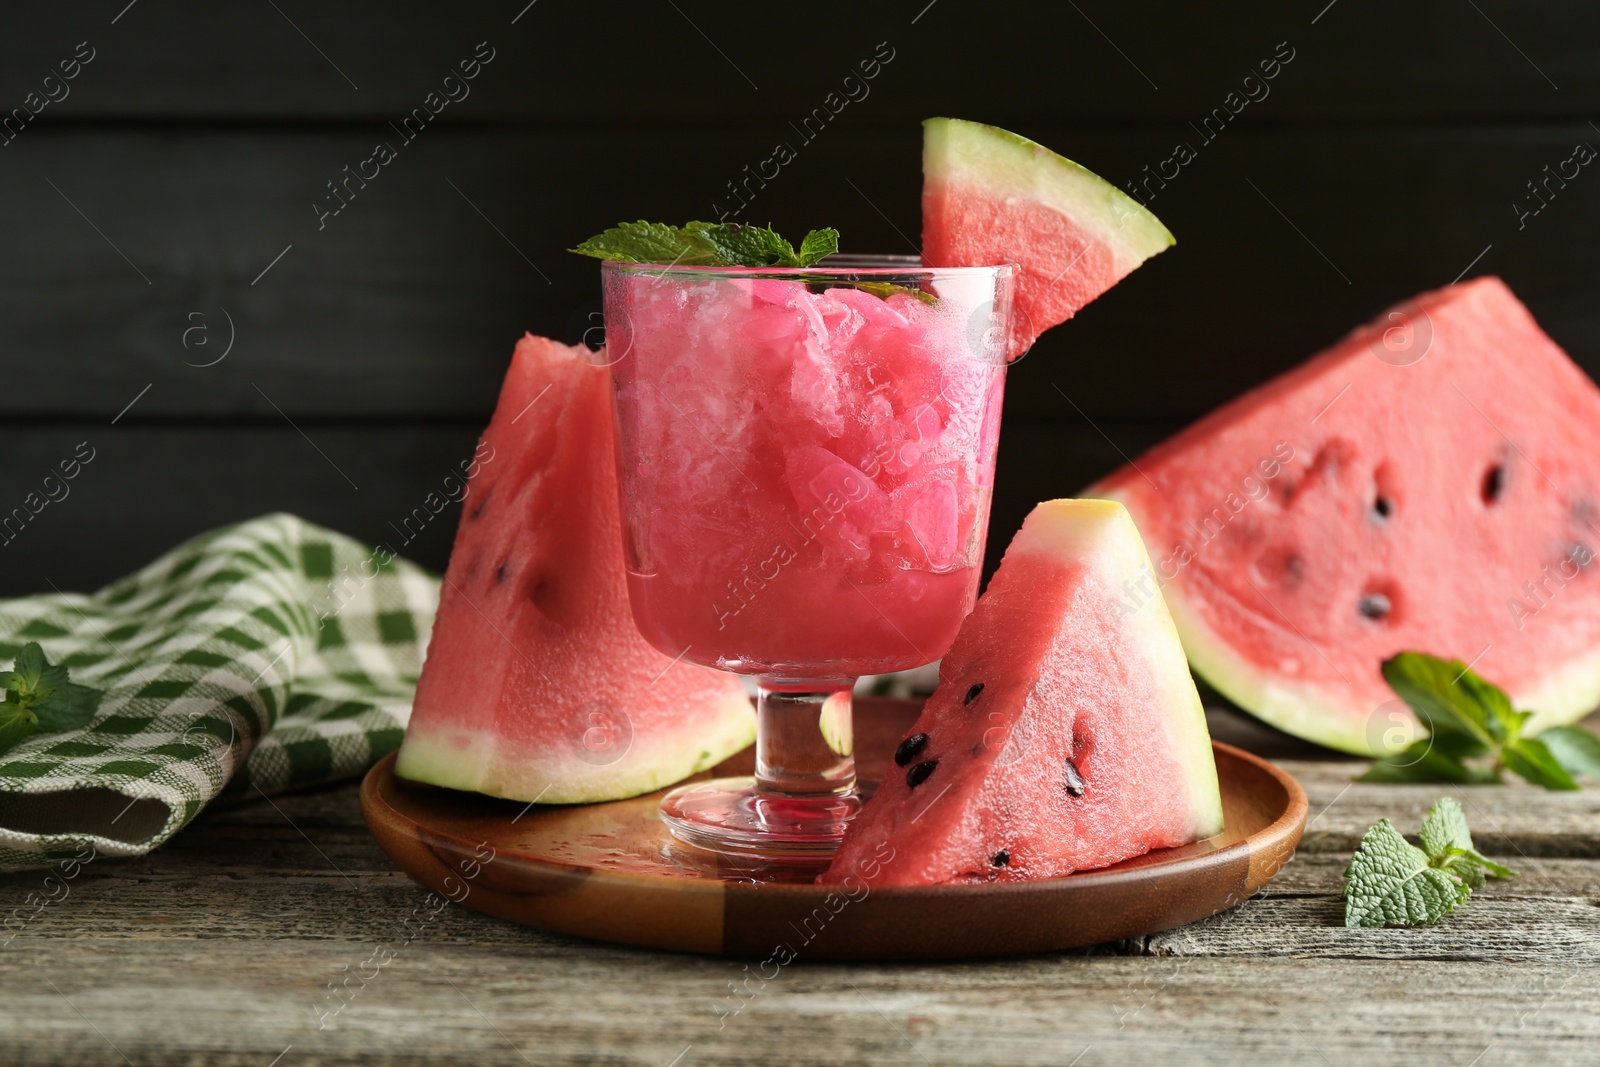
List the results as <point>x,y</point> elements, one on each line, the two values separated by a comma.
<point>1374,606</point>
<point>1382,507</point>
<point>972,694</point>
<point>500,574</point>
<point>919,774</point>
<point>909,748</point>
<point>483,501</point>
<point>1494,484</point>
<point>1002,858</point>
<point>1074,780</point>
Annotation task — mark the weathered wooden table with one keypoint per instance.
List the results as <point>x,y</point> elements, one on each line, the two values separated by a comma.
<point>227,946</point>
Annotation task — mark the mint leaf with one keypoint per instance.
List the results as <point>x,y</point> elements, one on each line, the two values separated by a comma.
<point>67,706</point>
<point>1574,748</point>
<point>1449,698</point>
<point>1448,843</point>
<point>1445,828</point>
<point>1390,883</point>
<point>1428,760</point>
<point>1490,865</point>
<point>746,246</point>
<point>39,695</point>
<point>649,242</point>
<point>817,245</point>
<point>1468,716</point>
<point>1505,723</point>
<point>28,670</point>
<point>17,723</point>
<point>51,676</point>
<point>716,244</point>
<point>1532,759</point>
<point>1461,866</point>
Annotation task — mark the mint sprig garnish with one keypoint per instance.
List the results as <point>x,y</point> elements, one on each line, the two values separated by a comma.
<point>1391,882</point>
<point>817,245</point>
<point>707,244</point>
<point>36,694</point>
<point>648,242</point>
<point>1474,732</point>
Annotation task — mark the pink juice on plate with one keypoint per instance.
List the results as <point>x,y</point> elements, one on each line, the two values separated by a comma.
<point>806,470</point>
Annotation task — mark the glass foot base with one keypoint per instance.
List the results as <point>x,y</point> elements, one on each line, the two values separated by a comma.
<point>728,815</point>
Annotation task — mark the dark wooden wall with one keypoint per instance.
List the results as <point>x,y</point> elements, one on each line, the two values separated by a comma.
<point>189,152</point>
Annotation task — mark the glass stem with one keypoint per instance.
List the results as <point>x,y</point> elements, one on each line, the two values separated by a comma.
<point>804,742</point>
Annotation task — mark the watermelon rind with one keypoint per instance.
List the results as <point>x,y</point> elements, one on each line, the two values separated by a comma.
<point>1565,697</point>
<point>476,761</point>
<point>1103,530</point>
<point>1010,165</point>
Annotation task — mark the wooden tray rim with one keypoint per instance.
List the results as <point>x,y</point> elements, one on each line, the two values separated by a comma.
<point>1288,825</point>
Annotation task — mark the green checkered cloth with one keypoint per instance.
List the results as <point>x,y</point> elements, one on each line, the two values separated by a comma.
<point>252,659</point>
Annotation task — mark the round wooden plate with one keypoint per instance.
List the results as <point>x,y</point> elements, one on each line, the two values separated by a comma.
<point>612,872</point>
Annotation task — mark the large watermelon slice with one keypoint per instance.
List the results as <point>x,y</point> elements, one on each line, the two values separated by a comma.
<point>990,196</point>
<point>537,685</point>
<point>1429,483</point>
<point>1064,734</point>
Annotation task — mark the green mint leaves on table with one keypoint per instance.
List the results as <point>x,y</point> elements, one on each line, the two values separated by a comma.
<point>707,244</point>
<point>38,695</point>
<point>1391,882</point>
<point>1469,718</point>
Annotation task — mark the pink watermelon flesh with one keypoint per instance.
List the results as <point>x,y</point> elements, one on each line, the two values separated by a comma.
<point>1063,735</point>
<point>537,685</point>
<point>991,197</point>
<point>1430,483</point>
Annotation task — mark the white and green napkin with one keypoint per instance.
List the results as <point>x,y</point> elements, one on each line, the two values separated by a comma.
<point>252,659</point>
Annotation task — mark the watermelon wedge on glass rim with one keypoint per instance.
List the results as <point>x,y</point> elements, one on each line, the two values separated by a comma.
<point>1430,483</point>
<point>992,196</point>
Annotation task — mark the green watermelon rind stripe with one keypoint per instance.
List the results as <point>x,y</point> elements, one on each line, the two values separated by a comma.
<point>477,761</point>
<point>1009,164</point>
<point>1568,695</point>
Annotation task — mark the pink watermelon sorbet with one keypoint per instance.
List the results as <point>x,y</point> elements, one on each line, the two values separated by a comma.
<point>806,474</point>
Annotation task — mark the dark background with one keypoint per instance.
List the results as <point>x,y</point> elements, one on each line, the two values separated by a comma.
<point>364,363</point>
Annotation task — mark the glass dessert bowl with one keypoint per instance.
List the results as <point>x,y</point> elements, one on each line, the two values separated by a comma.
<point>806,457</point>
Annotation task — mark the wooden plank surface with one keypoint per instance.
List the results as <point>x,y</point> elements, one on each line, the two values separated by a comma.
<point>221,947</point>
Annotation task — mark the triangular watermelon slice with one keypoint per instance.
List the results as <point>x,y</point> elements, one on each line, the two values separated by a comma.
<point>1065,733</point>
<point>990,197</point>
<point>1431,483</point>
<point>537,684</point>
